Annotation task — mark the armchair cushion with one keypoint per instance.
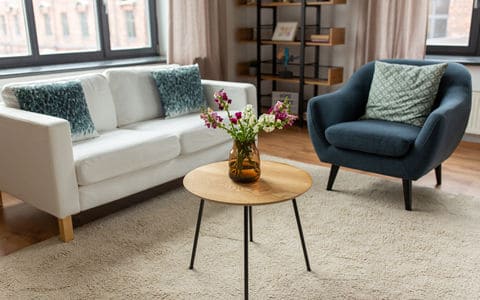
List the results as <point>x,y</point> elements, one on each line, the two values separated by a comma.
<point>377,137</point>
<point>403,93</point>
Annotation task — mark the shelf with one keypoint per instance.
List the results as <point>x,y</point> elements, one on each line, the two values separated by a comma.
<point>309,3</point>
<point>337,37</point>
<point>243,69</point>
<point>335,76</point>
<point>312,74</point>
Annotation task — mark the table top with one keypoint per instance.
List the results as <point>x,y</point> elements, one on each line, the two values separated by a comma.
<point>278,182</point>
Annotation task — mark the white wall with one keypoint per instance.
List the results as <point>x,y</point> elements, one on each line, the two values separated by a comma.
<point>475,71</point>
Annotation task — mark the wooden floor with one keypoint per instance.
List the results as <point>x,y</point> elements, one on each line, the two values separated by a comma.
<point>22,225</point>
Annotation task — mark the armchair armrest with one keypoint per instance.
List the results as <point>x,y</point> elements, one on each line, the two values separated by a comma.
<point>443,130</point>
<point>241,93</point>
<point>341,106</point>
<point>36,161</point>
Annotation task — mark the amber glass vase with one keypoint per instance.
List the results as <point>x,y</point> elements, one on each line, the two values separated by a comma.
<point>244,162</point>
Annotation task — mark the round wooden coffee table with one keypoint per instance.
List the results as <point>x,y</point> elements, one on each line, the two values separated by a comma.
<point>279,182</point>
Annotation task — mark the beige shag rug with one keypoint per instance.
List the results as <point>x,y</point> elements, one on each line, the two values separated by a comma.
<point>361,241</point>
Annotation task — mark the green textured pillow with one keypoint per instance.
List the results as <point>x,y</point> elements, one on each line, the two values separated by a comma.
<point>64,100</point>
<point>403,93</point>
<point>180,90</point>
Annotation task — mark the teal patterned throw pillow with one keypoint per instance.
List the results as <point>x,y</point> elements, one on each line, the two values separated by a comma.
<point>403,93</point>
<point>180,90</point>
<point>64,100</point>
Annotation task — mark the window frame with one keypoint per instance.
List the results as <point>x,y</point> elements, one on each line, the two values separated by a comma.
<point>105,52</point>
<point>473,48</point>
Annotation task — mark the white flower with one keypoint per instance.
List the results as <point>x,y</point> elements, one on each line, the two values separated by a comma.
<point>268,128</point>
<point>252,121</point>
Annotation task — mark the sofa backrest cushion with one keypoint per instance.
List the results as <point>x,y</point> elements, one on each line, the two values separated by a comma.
<point>180,90</point>
<point>97,94</point>
<point>135,93</point>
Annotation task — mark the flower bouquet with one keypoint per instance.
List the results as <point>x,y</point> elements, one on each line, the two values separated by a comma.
<point>243,127</point>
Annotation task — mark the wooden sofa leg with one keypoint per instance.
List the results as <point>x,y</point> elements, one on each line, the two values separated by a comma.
<point>407,193</point>
<point>438,174</point>
<point>333,175</point>
<point>65,228</point>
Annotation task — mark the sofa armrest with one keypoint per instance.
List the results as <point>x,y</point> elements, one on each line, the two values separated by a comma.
<point>241,93</point>
<point>36,161</point>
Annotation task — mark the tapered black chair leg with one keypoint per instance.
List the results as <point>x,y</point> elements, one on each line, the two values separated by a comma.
<point>333,175</point>
<point>438,174</point>
<point>407,193</point>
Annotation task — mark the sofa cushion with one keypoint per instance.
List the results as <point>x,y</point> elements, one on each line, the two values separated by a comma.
<point>373,136</point>
<point>190,129</point>
<point>97,94</point>
<point>121,151</point>
<point>135,93</point>
<point>403,93</point>
<point>180,90</point>
<point>64,100</point>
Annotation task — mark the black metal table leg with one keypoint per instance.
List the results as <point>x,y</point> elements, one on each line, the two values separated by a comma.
<point>297,216</point>
<point>197,230</point>
<point>250,216</point>
<point>245,258</point>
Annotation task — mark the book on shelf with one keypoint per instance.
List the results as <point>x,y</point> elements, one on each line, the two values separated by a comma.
<point>320,37</point>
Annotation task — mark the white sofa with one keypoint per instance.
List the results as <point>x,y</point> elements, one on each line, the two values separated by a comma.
<point>136,149</point>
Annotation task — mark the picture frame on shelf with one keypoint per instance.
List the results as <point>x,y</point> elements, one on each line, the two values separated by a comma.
<point>292,98</point>
<point>285,31</point>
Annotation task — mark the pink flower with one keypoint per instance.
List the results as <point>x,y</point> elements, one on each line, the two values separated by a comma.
<point>238,115</point>
<point>223,94</point>
<point>234,120</point>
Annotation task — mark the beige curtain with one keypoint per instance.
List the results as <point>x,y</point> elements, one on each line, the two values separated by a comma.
<point>197,35</point>
<point>388,29</point>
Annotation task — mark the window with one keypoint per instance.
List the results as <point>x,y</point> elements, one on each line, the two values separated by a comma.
<point>130,24</point>
<point>453,27</point>
<point>13,44</point>
<point>17,25</point>
<point>65,27</point>
<point>3,25</point>
<point>84,24</point>
<point>48,24</point>
<point>71,31</point>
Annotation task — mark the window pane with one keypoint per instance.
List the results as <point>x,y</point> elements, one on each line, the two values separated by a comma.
<point>449,22</point>
<point>13,29</point>
<point>129,24</point>
<point>66,26</point>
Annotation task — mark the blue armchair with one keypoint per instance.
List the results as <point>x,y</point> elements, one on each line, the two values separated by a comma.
<point>389,148</point>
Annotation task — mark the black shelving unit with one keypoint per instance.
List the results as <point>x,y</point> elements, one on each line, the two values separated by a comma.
<point>336,37</point>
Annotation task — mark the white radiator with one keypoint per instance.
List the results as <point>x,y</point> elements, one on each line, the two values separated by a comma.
<point>473,126</point>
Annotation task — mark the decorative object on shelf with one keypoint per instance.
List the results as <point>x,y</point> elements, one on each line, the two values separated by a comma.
<point>243,127</point>
<point>292,99</point>
<point>285,73</point>
<point>285,31</point>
